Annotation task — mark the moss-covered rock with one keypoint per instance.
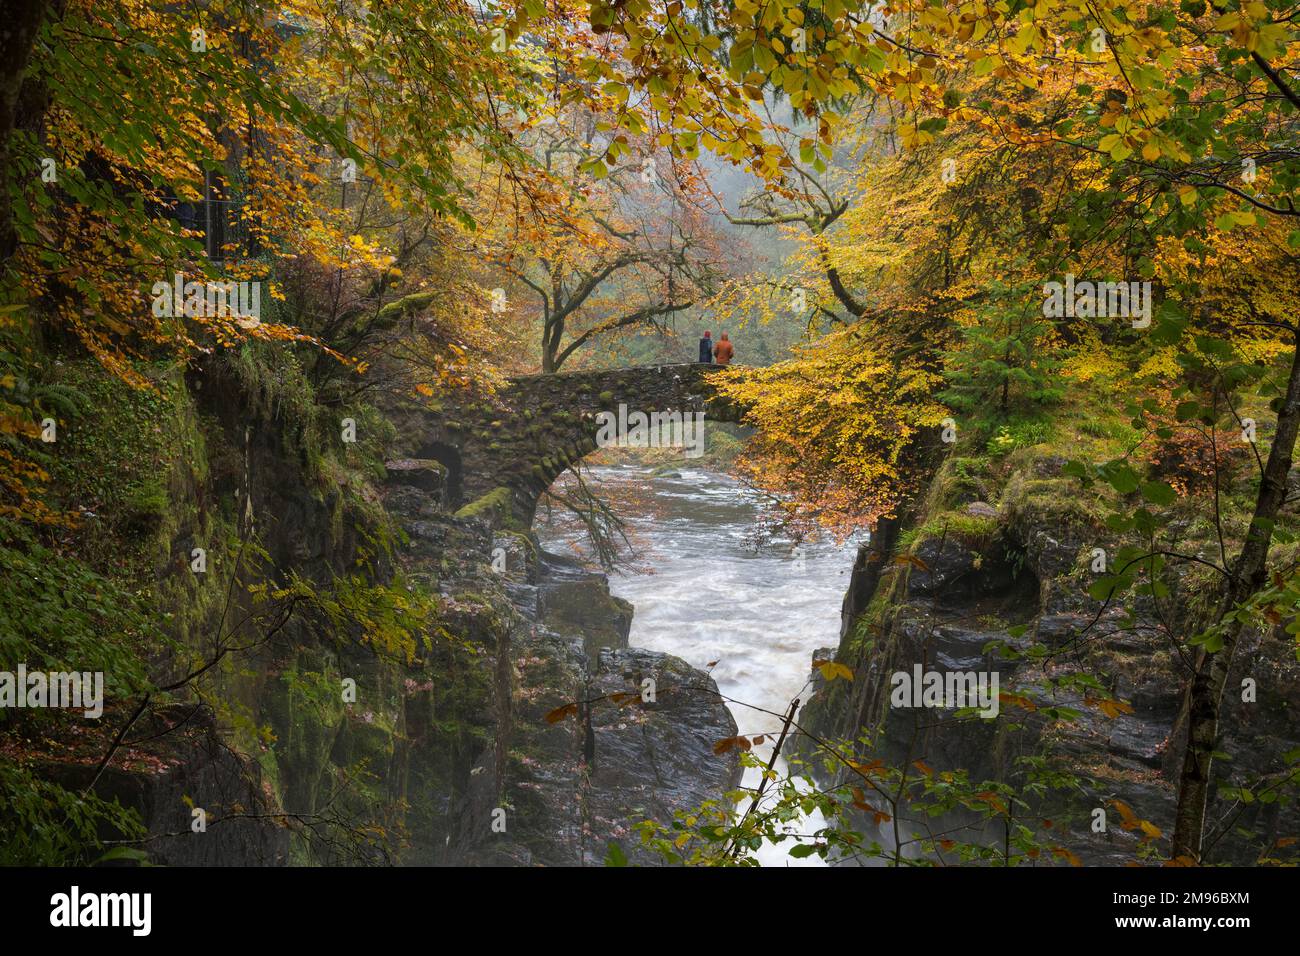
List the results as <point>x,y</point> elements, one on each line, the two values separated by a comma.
<point>494,507</point>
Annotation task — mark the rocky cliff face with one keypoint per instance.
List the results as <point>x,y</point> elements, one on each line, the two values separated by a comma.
<point>521,729</point>
<point>581,734</point>
<point>966,576</point>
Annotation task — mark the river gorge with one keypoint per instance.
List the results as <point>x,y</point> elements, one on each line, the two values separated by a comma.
<point>705,589</point>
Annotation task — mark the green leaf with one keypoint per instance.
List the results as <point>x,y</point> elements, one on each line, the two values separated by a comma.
<point>1212,641</point>
<point>614,855</point>
<point>1106,587</point>
<point>124,853</point>
<point>1119,523</point>
<point>1120,476</point>
<point>1216,348</point>
<point>1158,493</point>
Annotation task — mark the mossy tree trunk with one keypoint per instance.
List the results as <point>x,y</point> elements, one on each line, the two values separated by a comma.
<point>1248,575</point>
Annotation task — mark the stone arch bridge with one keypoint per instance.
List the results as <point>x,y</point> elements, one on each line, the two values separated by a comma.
<point>502,452</point>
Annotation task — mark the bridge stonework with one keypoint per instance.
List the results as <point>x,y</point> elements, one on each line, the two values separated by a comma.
<point>501,454</point>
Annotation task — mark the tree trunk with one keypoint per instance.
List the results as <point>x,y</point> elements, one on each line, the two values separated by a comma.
<point>22,21</point>
<point>552,333</point>
<point>552,338</point>
<point>1249,574</point>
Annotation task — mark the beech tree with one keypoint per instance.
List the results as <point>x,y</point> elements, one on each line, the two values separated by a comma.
<point>626,250</point>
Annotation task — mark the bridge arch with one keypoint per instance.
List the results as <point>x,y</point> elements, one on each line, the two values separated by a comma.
<point>513,448</point>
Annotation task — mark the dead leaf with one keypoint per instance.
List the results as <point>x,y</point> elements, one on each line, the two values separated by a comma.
<point>729,743</point>
<point>1065,854</point>
<point>874,769</point>
<point>1016,700</point>
<point>1113,708</point>
<point>913,560</point>
<point>1128,819</point>
<point>559,713</point>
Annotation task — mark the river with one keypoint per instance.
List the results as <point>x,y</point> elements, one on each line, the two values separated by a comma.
<point>704,592</point>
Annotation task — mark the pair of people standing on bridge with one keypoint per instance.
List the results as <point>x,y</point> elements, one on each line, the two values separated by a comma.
<point>721,352</point>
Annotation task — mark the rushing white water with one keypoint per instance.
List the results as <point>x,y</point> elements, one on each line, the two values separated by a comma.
<point>704,593</point>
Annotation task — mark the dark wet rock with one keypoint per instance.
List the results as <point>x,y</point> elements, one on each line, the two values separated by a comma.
<point>570,784</point>
<point>576,602</point>
<point>424,474</point>
<point>1033,570</point>
<point>962,649</point>
<point>862,583</point>
<point>514,555</point>
<point>526,598</point>
<point>976,578</point>
<point>1059,630</point>
<point>579,755</point>
<point>190,767</point>
<point>652,758</point>
<point>412,501</point>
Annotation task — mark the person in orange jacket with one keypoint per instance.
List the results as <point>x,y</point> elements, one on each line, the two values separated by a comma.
<point>723,351</point>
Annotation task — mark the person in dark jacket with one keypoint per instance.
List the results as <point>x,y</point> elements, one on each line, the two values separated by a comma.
<point>706,348</point>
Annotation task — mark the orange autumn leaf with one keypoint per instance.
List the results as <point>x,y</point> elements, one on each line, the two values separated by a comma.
<point>913,560</point>
<point>559,713</point>
<point>1016,700</point>
<point>1113,708</point>
<point>993,800</point>
<point>1128,819</point>
<point>1064,853</point>
<point>731,743</point>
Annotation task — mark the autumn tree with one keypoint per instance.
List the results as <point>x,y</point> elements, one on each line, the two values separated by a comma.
<point>626,250</point>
